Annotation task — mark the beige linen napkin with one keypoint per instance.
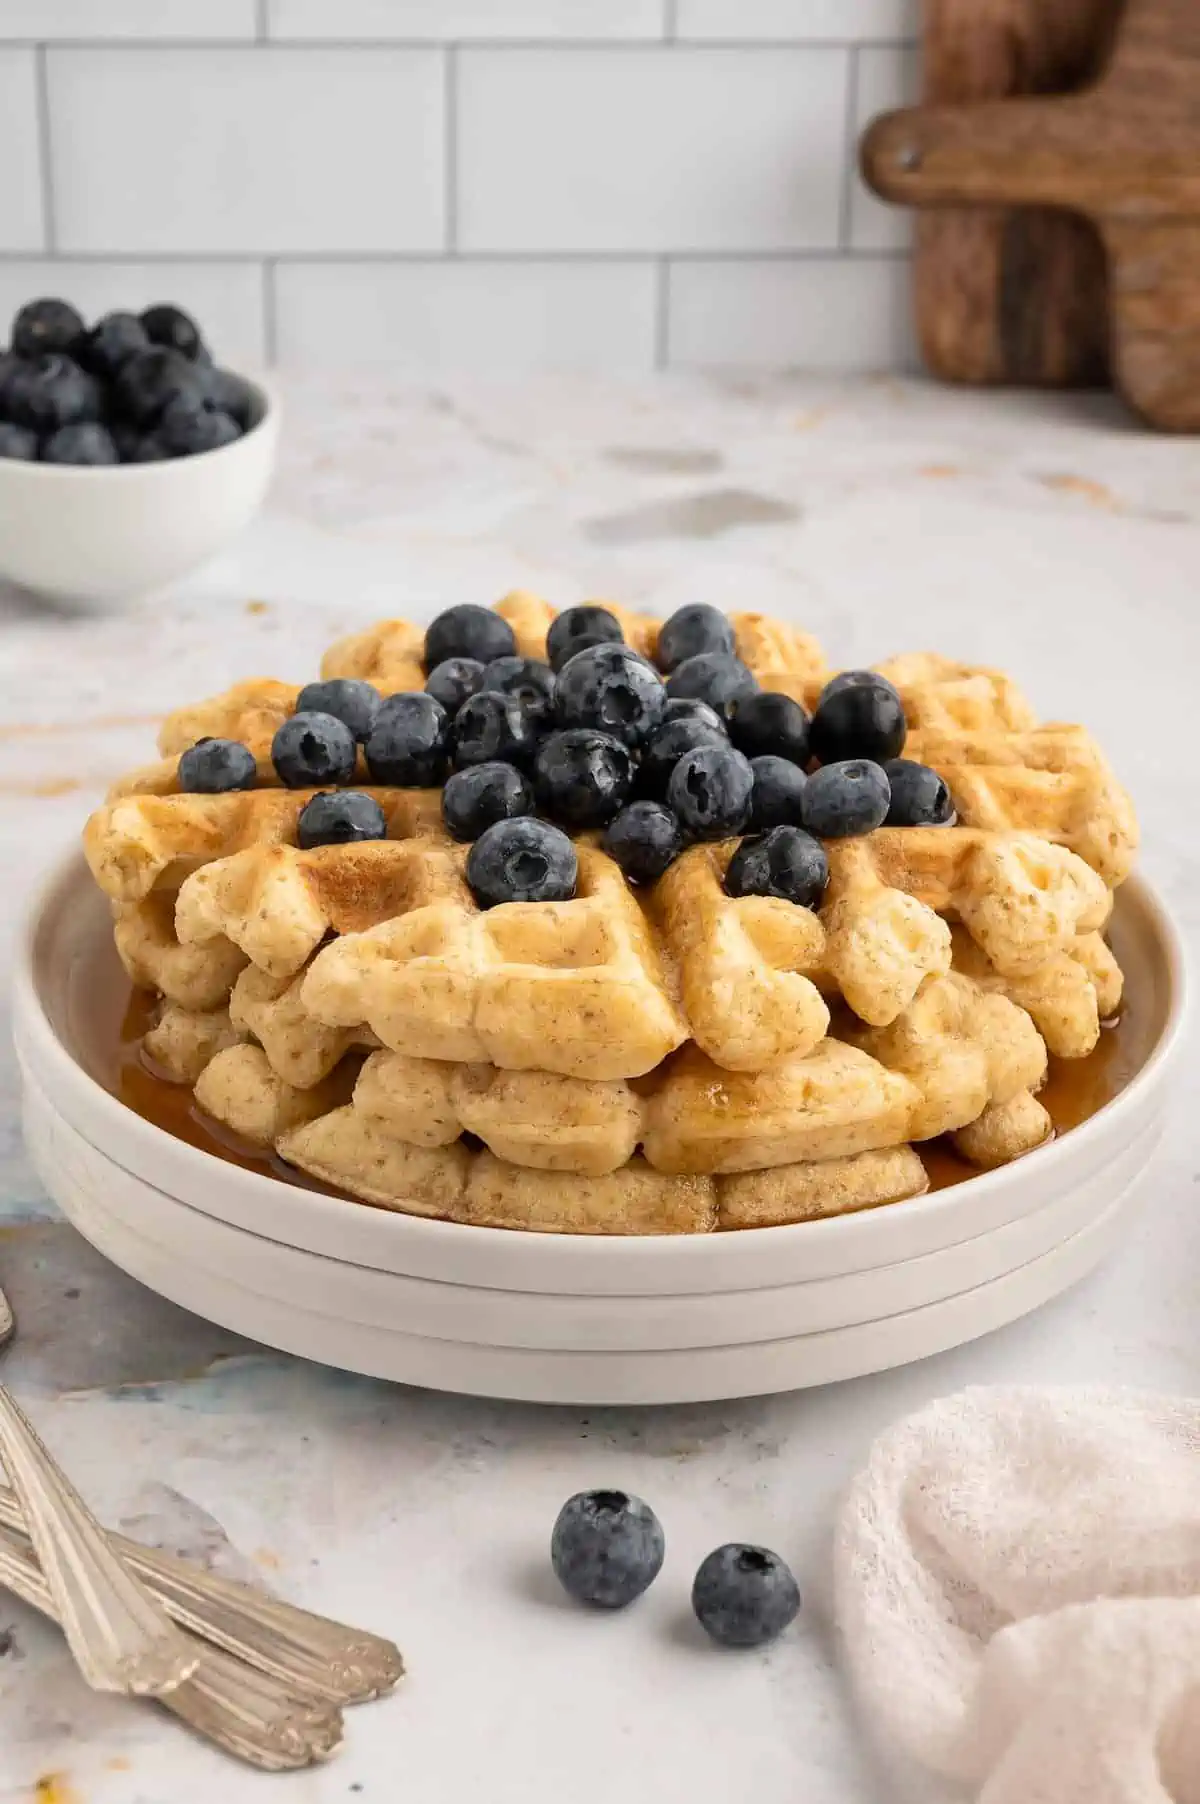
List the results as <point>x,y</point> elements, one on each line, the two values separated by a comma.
<point>1017,1581</point>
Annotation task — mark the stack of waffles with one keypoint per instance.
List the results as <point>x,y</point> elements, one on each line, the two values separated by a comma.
<point>664,1060</point>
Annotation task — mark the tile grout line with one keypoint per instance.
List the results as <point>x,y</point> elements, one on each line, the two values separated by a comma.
<point>515,44</point>
<point>662,313</point>
<point>830,253</point>
<point>849,154</point>
<point>450,169</point>
<point>262,21</point>
<point>670,21</point>
<point>270,311</point>
<point>45,166</point>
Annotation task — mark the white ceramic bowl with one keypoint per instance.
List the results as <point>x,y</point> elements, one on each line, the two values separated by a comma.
<point>99,537</point>
<point>562,1318</point>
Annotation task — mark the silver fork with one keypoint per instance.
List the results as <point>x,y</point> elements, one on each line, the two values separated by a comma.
<point>309,1655</point>
<point>230,1704</point>
<point>120,1638</point>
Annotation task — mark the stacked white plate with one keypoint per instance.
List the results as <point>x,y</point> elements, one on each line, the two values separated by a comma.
<point>563,1318</point>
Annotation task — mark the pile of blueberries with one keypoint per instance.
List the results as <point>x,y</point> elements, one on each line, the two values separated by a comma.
<point>132,389</point>
<point>598,738</point>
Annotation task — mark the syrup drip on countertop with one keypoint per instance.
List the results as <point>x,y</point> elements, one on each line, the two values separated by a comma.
<point>118,1017</point>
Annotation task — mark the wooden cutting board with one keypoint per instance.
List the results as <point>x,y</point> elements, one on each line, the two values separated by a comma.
<point>1124,154</point>
<point>1002,294</point>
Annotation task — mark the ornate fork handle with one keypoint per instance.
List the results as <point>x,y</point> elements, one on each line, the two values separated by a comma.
<point>120,1638</point>
<point>308,1654</point>
<point>242,1712</point>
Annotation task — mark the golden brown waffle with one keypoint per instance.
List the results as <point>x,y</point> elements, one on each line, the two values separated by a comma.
<point>668,1053</point>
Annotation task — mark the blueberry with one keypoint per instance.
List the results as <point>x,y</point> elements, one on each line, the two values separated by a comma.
<point>610,687</point>
<point>582,777</point>
<point>476,798</point>
<point>784,862</point>
<point>687,707</point>
<point>349,700</point>
<point>49,392</point>
<point>148,449</point>
<point>670,742</point>
<point>644,839</point>
<point>713,677</point>
<point>147,382</point>
<point>85,442</point>
<point>692,631</point>
<point>212,766</point>
<point>845,799</point>
<point>920,798</point>
<point>126,437</point>
<point>18,441</point>
<point>859,717</point>
<point>189,426</point>
<point>490,725</point>
<point>233,395</point>
<point>531,681</point>
<point>46,325</point>
<point>710,791</point>
<point>111,342</point>
<point>744,1596</point>
<point>453,680</point>
<point>340,818</point>
<point>778,798</point>
<point>311,749</point>
<point>409,744</point>
<point>607,1548</point>
<point>468,632</point>
<point>768,725</point>
<point>173,328</point>
<point>577,628</point>
<point>523,860</point>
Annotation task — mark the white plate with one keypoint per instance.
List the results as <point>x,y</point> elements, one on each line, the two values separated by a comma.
<point>571,1318</point>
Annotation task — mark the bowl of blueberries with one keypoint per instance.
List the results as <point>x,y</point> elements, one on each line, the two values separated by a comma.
<point>127,455</point>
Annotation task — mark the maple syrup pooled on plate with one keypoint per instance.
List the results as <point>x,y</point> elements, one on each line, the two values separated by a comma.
<point>118,1016</point>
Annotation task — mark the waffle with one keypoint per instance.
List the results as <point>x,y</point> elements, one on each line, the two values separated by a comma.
<point>686,1059</point>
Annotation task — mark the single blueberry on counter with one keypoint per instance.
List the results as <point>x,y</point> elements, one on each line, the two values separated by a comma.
<point>213,766</point>
<point>408,745</point>
<point>785,862</point>
<point>348,699</point>
<point>468,631</point>
<point>523,860</point>
<point>744,1596</point>
<point>644,839</point>
<point>710,790</point>
<point>576,628</point>
<point>340,818</point>
<point>311,749</point>
<point>611,688</point>
<point>846,799</point>
<point>861,718</point>
<point>607,1548</point>
<point>778,798</point>
<point>920,798</point>
<point>691,631</point>
<point>583,777</point>
<point>476,798</point>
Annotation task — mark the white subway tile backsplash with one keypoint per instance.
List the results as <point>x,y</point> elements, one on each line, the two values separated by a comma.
<point>254,150</point>
<point>887,78</point>
<point>487,316</point>
<point>21,224</point>
<point>665,149</point>
<point>446,20</point>
<point>815,313</point>
<point>801,21</point>
<point>157,19</point>
<point>226,299</point>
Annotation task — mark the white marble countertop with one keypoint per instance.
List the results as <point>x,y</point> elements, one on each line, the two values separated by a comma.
<point>1045,534</point>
